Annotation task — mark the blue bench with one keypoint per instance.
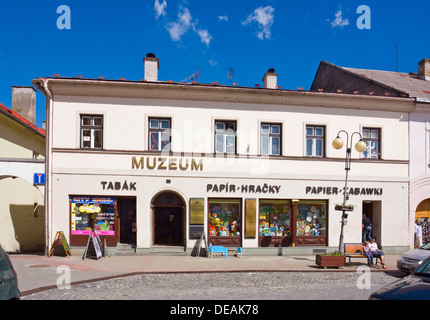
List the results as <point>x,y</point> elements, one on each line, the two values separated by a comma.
<point>217,250</point>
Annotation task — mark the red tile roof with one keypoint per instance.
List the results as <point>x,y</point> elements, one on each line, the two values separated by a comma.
<point>20,119</point>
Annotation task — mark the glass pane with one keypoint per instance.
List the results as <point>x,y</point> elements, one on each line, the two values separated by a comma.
<point>231,127</point>
<point>98,121</point>
<point>86,138</point>
<point>224,219</point>
<point>165,124</point>
<point>274,218</point>
<point>311,219</point>
<point>374,149</point>
<point>154,141</point>
<point>219,143</point>
<point>276,146</point>
<point>230,144</point>
<point>319,131</point>
<point>309,143</point>
<point>366,133</point>
<point>153,124</point>
<point>265,129</point>
<point>276,129</point>
<point>98,138</point>
<point>309,131</point>
<point>318,147</point>
<point>265,145</point>
<point>220,126</point>
<point>374,134</point>
<point>165,140</point>
<point>86,121</point>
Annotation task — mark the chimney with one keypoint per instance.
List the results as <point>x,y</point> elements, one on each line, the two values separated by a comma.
<point>270,79</point>
<point>151,67</point>
<point>424,69</point>
<point>24,102</point>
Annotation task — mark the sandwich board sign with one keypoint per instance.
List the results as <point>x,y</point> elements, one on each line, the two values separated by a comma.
<point>94,246</point>
<point>60,238</point>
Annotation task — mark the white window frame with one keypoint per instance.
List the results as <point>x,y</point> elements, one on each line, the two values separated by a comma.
<point>367,154</point>
<point>159,131</point>
<point>93,128</point>
<point>270,135</point>
<point>314,138</point>
<point>225,134</point>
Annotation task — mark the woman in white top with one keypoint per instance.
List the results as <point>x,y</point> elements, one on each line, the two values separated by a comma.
<point>376,252</point>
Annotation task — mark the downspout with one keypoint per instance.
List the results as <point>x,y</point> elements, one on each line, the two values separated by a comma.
<point>48,181</point>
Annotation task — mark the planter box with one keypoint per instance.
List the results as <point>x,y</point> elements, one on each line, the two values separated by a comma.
<point>325,261</point>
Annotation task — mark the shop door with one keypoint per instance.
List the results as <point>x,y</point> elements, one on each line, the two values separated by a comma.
<point>168,220</point>
<point>127,220</point>
<point>168,226</point>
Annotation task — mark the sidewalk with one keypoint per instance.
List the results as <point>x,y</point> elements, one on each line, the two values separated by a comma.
<point>38,272</point>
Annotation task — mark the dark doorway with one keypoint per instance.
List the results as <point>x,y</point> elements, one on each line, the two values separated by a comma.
<point>168,220</point>
<point>127,217</point>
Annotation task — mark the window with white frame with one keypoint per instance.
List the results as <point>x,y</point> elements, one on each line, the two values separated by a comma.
<point>373,143</point>
<point>315,137</point>
<point>225,137</point>
<point>270,139</point>
<point>159,134</point>
<point>91,131</point>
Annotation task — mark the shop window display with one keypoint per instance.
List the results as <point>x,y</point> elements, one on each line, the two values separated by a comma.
<point>274,218</point>
<point>312,219</point>
<point>224,218</point>
<point>96,213</point>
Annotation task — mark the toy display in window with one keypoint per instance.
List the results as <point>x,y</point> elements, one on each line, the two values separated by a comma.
<point>274,220</point>
<point>224,220</point>
<point>311,220</point>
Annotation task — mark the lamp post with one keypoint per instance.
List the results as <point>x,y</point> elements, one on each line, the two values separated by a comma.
<point>360,146</point>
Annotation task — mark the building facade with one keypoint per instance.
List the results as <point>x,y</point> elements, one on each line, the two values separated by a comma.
<point>22,167</point>
<point>415,85</point>
<point>153,164</point>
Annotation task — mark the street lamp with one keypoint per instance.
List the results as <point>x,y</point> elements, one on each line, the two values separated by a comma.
<point>360,146</point>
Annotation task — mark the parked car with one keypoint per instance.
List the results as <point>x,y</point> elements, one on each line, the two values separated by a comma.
<point>410,260</point>
<point>8,278</point>
<point>415,286</point>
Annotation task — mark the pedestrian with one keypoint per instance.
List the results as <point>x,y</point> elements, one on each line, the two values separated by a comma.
<point>366,227</point>
<point>367,253</point>
<point>376,253</point>
<point>418,235</point>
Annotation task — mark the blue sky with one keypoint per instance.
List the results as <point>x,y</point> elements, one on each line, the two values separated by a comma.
<point>109,38</point>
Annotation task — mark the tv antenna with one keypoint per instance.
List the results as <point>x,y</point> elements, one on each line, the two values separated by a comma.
<point>230,74</point>
<point>193,76</point>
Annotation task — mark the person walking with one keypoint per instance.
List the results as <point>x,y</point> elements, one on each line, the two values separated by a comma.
<point>366,228</point>
<point>376,253</point>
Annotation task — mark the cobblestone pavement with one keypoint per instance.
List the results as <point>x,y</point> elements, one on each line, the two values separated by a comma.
<point>227,286</point>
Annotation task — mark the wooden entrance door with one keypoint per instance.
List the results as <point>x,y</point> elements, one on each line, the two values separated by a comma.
<point>168,220</point>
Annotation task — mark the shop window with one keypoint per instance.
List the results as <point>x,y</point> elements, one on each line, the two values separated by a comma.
<point>275,217</point>
<point>88,213</point>
<point>372,138</point>
<point>315,137</point>
<point>312,218</point>
<point>270,139</point>
<point>225,137</point>
<point>159,134</point>
<point>91,131</point>
<point>224,218</point>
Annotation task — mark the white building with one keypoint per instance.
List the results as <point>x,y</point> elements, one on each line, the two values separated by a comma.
<point>153,163</point>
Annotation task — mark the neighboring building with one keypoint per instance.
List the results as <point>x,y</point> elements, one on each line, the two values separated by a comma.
<point>153,163</point>
<point>22,168</point>
<point>331,78</point>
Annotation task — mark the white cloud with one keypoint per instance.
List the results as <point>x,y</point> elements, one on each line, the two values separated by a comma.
<point>160,8</point>
<point>339,21</point>
<point>265,18</point>
<point>185,23</point>
<point>223,18</point>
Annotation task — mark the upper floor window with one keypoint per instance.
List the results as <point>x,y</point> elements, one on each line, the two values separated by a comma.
<point>92,131</point>
<point>315,137</point>
<point>159,134</point>
<point>270,139</point>
<point>225,137</point>
<point>372,138</point>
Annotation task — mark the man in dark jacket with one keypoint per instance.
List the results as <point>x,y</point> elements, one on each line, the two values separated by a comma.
<point>367,228</point>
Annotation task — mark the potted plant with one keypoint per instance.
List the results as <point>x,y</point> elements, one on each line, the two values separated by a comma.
<point>330,260</point>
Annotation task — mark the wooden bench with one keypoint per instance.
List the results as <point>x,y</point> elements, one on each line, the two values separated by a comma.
<point>217,251</point>
<point>237,252</point>
<point>355,250</point>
